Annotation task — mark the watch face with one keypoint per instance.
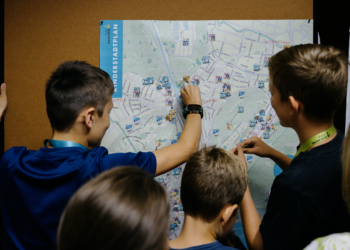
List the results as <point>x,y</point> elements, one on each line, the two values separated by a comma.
<point>194,107</point>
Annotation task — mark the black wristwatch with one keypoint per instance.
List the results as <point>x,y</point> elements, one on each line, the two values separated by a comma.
<point>193,109</point>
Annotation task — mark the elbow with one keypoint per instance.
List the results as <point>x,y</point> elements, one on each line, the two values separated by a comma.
<point>191,149</point>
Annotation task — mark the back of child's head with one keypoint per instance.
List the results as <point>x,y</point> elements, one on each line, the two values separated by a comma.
<point>73,86</point>
<point>316,75</point>
<point>123,208</point>
<point>212,179</point>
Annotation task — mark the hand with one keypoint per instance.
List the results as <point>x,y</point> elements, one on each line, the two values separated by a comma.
<point>3,100</point>
<point>255,146</point>
<point>239,152</point>
<point>191,95</point>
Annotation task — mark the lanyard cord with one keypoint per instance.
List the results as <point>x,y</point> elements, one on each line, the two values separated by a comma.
<point>316,139</point>
<point>63,144</point>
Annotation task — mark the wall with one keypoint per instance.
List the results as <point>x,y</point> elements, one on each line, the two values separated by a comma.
<point>39,35</point>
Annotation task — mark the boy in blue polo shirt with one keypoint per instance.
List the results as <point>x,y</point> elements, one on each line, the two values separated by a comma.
<point>35,186</point>
<point>308,83</point>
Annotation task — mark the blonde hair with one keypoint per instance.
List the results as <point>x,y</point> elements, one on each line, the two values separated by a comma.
<point>346,169</point>
<point>213,178</point>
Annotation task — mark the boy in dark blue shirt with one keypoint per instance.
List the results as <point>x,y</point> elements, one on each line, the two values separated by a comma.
<point>308,83</point>
<point>212,187</point>
<point>35,186</point>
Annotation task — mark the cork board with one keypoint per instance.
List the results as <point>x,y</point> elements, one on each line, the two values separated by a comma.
<point>41,34</point>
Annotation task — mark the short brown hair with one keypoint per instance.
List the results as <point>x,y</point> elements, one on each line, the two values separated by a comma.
<point>73,86</point>
<point>212,179</point>
<point>314,74</point>
<point>123,208</point>
<point>346,169</point>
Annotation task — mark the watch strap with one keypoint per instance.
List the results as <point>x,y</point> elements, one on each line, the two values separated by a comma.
<point>193,109</point>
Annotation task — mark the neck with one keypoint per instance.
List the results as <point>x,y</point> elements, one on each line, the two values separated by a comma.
<point>70,136</point>
<point>195,232</point>
<point>308,129</point>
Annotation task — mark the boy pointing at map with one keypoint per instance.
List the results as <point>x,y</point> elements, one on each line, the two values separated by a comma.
<point>35,186</point>
<point>307,84</point>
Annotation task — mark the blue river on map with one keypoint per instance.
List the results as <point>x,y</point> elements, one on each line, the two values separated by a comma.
<point>186,25</point>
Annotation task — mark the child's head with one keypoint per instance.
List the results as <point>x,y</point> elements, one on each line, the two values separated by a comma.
<point>213,184</point>
<point>315,75</point>
<point>123,208</point>
<point>74,86</point>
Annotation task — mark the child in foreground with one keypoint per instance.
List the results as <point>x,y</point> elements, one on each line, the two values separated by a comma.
<point>307,84</point>
<point>212,186</point>
<point>35,186</point>
<point>123,208</point>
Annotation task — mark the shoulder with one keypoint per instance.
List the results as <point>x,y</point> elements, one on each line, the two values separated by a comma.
<point>211,246</point>
<point>14,154</point>
<point>330,242</point>
<point>218,246</point>
<point>17,150</point>
<point>319,167</point>
<point>226,248</point>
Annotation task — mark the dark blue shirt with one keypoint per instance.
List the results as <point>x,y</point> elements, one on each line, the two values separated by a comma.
<point>306,199</point>
<point>35,187</point>
<point>211,246</point>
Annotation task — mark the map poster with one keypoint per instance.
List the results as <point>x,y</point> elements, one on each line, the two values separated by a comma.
<point>151,61</point>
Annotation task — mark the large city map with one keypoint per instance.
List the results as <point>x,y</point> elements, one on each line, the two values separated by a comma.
<point>151,61</point>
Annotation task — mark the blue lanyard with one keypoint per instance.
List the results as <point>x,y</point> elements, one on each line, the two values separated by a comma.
<point>63,144</point>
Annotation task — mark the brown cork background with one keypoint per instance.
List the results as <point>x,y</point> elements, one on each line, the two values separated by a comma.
<point>41,34</point>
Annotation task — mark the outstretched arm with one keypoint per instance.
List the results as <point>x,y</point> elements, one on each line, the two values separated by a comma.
<point>188,143</point>
<point>3,100</point>
<point>249,214</point>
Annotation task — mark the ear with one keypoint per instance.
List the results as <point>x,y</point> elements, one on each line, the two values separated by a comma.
<point>89,117</point>
<point>229,211</point>
<point>295,106</point>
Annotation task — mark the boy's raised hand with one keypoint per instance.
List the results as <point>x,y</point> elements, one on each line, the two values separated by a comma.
<point>239,152</point>
<point>260,148</point>
<point>191,95</point>
<point>3,100</point>
<point>255,146</point>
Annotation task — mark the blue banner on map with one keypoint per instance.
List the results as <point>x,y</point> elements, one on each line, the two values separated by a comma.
<point>111,53</point>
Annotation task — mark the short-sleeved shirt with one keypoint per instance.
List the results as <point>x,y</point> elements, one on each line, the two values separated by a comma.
<point>35,187</point>
<point>306,199</point>
<point>216,245</point>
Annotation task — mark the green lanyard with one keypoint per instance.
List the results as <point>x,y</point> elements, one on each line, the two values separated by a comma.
<point>316,139</point>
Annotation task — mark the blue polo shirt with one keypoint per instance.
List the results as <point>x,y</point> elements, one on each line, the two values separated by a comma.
<point>35,187</point>
<point>216,245</point>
